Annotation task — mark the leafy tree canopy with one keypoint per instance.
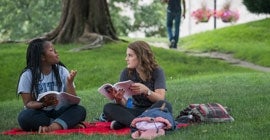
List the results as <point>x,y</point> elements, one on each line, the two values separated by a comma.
<point>24,19</point>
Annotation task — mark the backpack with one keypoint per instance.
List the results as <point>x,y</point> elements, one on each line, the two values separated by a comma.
<point>210,112</point>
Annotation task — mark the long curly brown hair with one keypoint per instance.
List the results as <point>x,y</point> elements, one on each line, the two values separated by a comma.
<point>146,58</point>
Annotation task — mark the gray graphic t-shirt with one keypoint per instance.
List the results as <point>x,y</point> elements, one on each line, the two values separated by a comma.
<point>46,83</point>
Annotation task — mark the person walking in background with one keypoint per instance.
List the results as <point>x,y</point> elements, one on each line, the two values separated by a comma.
<point>148,89</point>
<point>174,14</point>
<point>44,72</point>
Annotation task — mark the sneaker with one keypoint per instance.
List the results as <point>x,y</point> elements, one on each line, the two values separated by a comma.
<point>102,118</point>
<point>172,43</point>
<point>116,125</point>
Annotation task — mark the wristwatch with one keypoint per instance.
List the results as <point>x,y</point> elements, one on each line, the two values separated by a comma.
<point>43,106</point>
<point>149,92</point>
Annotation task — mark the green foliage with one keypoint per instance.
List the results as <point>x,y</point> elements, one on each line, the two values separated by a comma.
<point>24,19</point>
<point>247,41</point>
<point>150,19</point>
<point>258,6</point>
<point>147,18</point>
<point>120,22</point>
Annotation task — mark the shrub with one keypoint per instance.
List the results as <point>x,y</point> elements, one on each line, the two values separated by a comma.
<point>258,6</point>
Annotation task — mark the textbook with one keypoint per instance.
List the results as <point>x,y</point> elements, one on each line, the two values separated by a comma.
<point>63,99</point>
<point>125,85</point>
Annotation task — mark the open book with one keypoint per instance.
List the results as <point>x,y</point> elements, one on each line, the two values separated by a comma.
<point>63,99</point>
<point>125,85</point>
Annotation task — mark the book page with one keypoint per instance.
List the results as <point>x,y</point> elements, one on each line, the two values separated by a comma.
<point>64,99</point>
<point>104,90</point>
<point>125,85</point>
<point>40,96</point>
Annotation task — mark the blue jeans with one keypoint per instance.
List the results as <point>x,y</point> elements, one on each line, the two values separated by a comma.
<point>31,119</point>
<point>173,18</point>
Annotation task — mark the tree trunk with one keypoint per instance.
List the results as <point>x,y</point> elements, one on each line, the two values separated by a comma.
<point>83,21</point>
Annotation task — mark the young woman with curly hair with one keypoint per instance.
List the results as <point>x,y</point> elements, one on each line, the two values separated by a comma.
<point>149,86</point>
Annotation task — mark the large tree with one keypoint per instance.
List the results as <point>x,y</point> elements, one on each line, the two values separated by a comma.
<point>25,19</point>
<point>83,21</point>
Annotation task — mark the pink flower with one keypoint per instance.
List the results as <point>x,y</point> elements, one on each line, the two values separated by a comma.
<point>202,15</point>
<point>228,15</point>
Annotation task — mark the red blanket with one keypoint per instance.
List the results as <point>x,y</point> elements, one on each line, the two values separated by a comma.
<point>91,128</point>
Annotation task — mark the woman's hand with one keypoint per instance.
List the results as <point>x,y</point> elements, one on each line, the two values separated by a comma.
<point>156,95</point>
<point>119,95</point>
<point>116,94</point>
<point>49,100</point>
<point>138,88</point>
<point>71,76</point>
<point>31,103</point>
<point>70,87</point>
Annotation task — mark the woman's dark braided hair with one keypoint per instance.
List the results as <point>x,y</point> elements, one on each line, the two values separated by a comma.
<point>33,62</point>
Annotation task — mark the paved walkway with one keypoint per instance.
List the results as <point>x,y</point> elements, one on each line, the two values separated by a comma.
<point>217,55</point>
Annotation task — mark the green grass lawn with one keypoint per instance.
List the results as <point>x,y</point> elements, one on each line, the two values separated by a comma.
<point>248,41</point>
<point>246,94</point>
<point>189,80</point>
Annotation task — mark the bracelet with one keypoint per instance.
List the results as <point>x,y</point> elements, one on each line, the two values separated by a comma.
<point>149,92</point>
<point>43,106</point>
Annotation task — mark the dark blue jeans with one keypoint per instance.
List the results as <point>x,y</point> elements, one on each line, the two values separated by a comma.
<point>31,119</point>
<point>125,115</point>
<point>173,24</point>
